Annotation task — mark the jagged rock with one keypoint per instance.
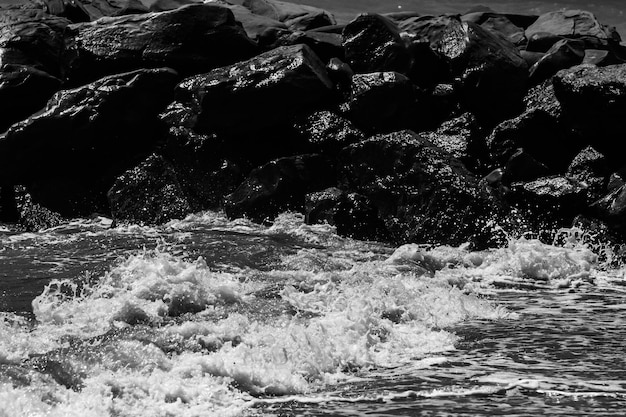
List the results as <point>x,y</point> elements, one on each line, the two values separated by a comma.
<point>341,74</point>
<point>570,24</point>
<point>594,99</point>
<point>327,132</point>
<point>325,45</point>
<point>498,24</point>
<point>522,166</point>
<point>278,186</point>
<point>380,101</point>
<point>538,133</point>
<point>542,97</point>
<point>30,37</point>
<point>150,194</point>
<point>421,192</point>
<point>31,216</point>
<point>352,214</point>
<point>69,154</point>
<point>592,168</point>
<point>459,137</point>
<point>601,58</point>
<point>254,24</point>
<point>260,93</point>
<point>491,71</point>
<point>372,43</point>
<point>163,5</point>
<point>562,55</point>
<point>550,201</point>
<point>102,8</point>
<point>612,209</point>
<point>23,91</point>
<point>530,57</point>
<point>192,39</point>
<point>295,16</point>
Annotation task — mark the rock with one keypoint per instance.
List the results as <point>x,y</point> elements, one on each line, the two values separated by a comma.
<point>74,11</point>
<point>530,57</point>
<point>612,209</point>
<point>600,58</point>
<point>341,75</point>
<point>325,45</point>
<point>278,186</point>
<point>563,54</point>
<point>164,5</point>
<point>102,8</point>
<point>192,39</point>
<point>380,101</point>
<point>550,201</point>
<point>253,24</point>
<point>542,97</point>
<point>267,90</point>
<point>571,24</point>
<point>421,192</point>
<point>30,37</point>
<point>23,91</point>
<point>539,134</point>
<point>594,99</point>
<point>498,24</point>
<point>372,43</point>
<point>491,71</point>
<point>327,132</point>
<point>68,154</point>
<point>523,167</point>
<point>352,214</point>
<point>295,16</point>
<point>31,216</point>
<point>149,194</point>
<point>459,137</point>
<point>591,168</point>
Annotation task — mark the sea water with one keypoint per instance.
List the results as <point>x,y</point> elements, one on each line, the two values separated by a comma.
<point>213,317</point>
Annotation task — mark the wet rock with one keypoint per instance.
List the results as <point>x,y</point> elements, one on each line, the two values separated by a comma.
<point>278,186</point>
<point>551,201</point>
<point>23,91</point>
<point>327,132</point>
<point>498,24</point>
<point>592,168</point>
<point>491,71</point>
<point>460,138</point>
<point>601,58</point>
<point>325,45</point>
<point>192,39</point>
<point>542,97</point>
<point>32,217</point>
<point>294,16</point>
<point>253,24</point>
<point>149,194</point>
<point>69,154</point>
<point>562,55</point>
<point>74,11</point>
<point>594,99</point>
<point>522,166</point>
<point>380,101</point>
<point>570,24</point>
<point>30,37</point>
<point>612,209</point>
<point>539,134</point>
<point>341,75</point>
<point>352,214</point>
<point>242,98</point>
<point>163,5</point>
<point>102,8</point>
<point>372,43</point>
<point>421,192</point>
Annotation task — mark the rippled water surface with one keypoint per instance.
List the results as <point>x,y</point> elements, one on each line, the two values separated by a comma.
<point>207,316</point>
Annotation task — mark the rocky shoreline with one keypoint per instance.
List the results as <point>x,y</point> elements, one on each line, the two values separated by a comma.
<point>398,127</point>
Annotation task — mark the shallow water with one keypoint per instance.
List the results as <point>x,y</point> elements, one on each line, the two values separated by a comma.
<point>207,316</point>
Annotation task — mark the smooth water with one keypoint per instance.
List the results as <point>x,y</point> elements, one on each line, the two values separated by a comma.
<point>211,317</point>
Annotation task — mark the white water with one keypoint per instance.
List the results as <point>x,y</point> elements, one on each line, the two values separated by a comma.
<point>300,318</point>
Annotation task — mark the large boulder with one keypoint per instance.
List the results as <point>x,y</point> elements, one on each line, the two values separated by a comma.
<point>594,99</point>
<point>325,45</point>
<point>192,39</point>
<point>421,192</point>
<point>564,54</point>
<point>95,9</point>
<point>591,167</point>
<point>491,71</point>
<point>260,93</point>
<point>150,193</point>
<point>295,16</point>
<point>498,24</point>
<point>372,43</point>
<point>327,132</point>
<point>577,24</point>
<point>461,138</point>
<point>278,186</point>
<point>69,154</point>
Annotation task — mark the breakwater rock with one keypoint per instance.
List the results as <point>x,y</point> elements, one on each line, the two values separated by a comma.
<point>399,127</point>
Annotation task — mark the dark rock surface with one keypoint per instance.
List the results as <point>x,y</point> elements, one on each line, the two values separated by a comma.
<point>421,192</point>
<point>97,130</point>
<point>327,132</point>
<point>591,168</point>
<point>278,186</point>
<point>192,39</point>
<point>294,16</point>
<point>261,92</point>
<point>564,54</point>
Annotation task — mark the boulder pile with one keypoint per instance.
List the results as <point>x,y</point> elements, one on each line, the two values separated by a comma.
<point>399,127</point>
